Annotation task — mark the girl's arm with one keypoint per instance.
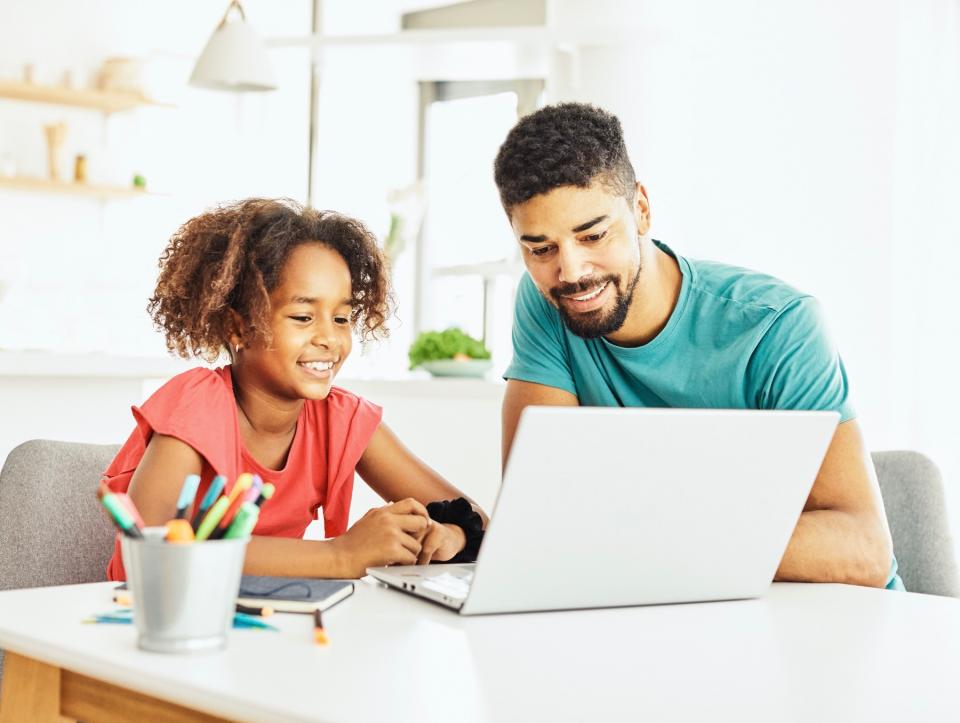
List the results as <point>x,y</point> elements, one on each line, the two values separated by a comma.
<point>384,536</point>
<point>395,473</point>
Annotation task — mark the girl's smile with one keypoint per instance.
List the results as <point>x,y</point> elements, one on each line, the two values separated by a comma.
<point>310,311</point>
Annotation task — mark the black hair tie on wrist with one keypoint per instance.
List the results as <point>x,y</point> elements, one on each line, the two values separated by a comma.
<point>459,512</point>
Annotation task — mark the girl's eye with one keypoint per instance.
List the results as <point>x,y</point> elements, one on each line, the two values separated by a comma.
<point>541,251</point>
<point>342,320</point>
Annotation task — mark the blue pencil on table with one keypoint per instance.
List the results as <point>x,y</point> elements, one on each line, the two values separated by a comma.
<point>124,616</point>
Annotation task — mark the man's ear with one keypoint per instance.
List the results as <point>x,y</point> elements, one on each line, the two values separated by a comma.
<point>641,208</point>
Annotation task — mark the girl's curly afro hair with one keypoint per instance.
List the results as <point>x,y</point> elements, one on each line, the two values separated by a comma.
<point>231,258</point>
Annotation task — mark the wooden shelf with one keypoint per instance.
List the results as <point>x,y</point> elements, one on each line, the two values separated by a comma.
<point>104,101</point>
<point>42,185</point>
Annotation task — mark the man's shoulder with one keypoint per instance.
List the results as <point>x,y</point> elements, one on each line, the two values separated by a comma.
<point>746,288</point>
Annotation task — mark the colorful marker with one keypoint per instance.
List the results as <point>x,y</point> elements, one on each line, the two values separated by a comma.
<point>125,617</point>
<point>237,493</point>
<point>243,522</point>
<point>265,494</point>
<point>255,489</point>
<point>213,517</point>
<point>216,487</point>
<point>187,492</point>
<point>120,516</point>
<point>319,634</point>
<point>263,612</point>
<point>242,620</point>
<point>131,508</point>
<point>179,532</point>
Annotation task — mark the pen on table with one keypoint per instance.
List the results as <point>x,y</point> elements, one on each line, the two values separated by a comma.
<point>236,496</point>
<point>242,620</point>
<point>213,491</point>
<point>262,612</point>
<point>120,516</point>
<point>187,492</point>
<point>319,634</point>
<point>125,617</point>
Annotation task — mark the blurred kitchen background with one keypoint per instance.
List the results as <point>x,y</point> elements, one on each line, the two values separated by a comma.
<point>816,141</point>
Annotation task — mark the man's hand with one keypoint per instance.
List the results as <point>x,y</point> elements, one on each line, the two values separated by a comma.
<point>441,542</point>
<point>389,535</point>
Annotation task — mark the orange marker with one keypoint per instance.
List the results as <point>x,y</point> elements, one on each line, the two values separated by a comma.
<point>179,531</point>
<point>319,634</point>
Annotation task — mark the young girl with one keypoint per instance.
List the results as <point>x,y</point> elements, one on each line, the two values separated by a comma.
<point>280,288</point>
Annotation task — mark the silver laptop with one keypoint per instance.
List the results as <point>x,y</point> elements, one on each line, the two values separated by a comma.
<point>605,507</point>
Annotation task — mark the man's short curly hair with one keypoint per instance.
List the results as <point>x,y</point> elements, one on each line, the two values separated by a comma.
<point>568,144</point>
<point>231,258</point>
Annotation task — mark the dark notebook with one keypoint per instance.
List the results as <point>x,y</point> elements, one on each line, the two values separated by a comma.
<point>292,594</point>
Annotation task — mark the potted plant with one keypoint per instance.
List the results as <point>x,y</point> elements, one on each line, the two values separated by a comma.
<point>450,353</point>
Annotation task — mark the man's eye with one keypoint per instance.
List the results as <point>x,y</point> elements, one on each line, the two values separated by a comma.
<point>303,319</point>
<point>594,237</point>
<point>542,251</point>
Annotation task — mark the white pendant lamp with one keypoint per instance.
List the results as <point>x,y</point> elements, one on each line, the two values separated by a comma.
<point>234,58</point>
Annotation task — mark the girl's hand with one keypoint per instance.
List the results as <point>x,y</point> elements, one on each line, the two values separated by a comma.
<point>389,535</point>
<point>441,542</point>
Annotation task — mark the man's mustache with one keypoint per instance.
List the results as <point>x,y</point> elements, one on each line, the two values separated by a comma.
<point>588,283</point>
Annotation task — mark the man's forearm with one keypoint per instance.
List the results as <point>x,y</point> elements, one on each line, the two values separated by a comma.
<point>836,546</point>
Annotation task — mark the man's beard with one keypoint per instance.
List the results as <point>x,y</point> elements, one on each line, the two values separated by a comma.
<point>596,323</point>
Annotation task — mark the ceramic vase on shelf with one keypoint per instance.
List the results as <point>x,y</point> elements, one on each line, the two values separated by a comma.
<point>56,133</point>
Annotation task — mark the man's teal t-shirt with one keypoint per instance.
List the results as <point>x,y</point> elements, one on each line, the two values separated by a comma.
<point>736,339</point>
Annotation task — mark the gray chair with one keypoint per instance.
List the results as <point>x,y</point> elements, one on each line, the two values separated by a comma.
<point>52,529</point>
<point>912,490</point>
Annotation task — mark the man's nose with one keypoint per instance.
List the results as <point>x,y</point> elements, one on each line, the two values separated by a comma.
<point>574,264</point>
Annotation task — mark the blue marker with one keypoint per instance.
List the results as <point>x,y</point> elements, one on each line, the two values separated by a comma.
<point>216,487</point>
<point>187,493</point>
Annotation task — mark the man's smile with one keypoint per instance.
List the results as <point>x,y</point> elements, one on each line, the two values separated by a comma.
<point>592,299</point>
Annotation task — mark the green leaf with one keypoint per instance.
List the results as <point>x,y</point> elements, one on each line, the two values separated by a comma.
<point>433,345</point>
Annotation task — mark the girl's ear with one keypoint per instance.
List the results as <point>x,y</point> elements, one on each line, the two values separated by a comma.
<point>237,333</point>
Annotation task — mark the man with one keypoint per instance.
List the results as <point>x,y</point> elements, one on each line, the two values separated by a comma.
<point>606,316</point>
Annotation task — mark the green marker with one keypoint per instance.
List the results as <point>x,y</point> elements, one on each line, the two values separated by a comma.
<point>121,517</point>
<point>243,522</point>
<point>266,493</point>
<point>216,512</point>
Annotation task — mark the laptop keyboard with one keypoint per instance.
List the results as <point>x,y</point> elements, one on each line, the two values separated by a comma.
<point>455,584</point>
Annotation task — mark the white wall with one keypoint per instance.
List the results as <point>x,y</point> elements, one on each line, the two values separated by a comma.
<point>815,141</point>
<point>77,271</point>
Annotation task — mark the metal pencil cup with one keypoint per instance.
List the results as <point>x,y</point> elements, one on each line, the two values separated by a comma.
<point>183,594</point>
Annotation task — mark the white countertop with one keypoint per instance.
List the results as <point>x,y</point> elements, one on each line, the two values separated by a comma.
<point>801,653</point>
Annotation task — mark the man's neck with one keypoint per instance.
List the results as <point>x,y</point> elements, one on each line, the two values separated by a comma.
<point>654,298</point>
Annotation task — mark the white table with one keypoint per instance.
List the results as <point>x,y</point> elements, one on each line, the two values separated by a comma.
<point>802,653</point>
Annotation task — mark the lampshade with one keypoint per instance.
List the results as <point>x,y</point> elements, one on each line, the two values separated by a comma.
<point>234,58</point>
